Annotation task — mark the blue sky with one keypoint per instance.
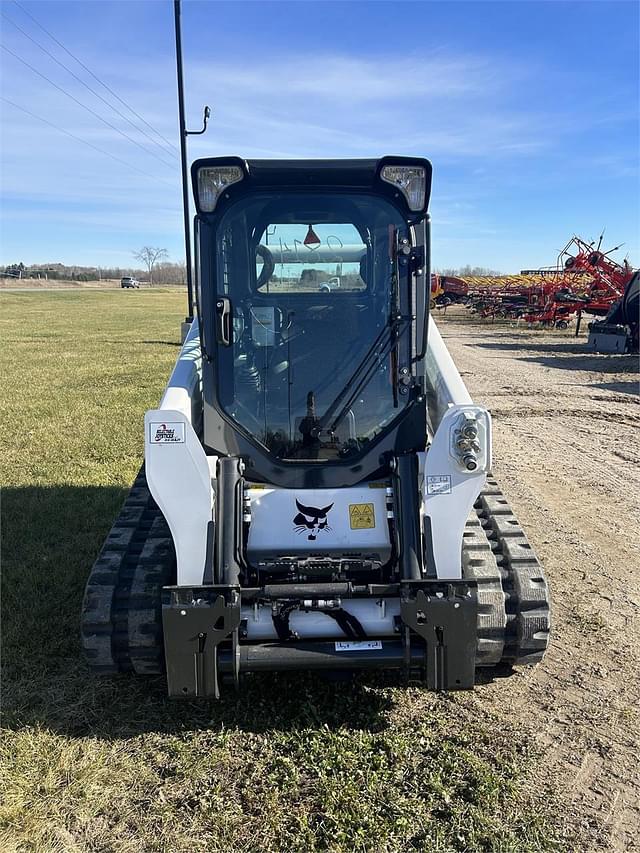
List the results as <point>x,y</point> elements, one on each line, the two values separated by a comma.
<point>528,111</point>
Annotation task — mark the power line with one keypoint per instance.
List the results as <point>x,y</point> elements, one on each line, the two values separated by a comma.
<point>96,78</point>
<point>84,106</point>
<point>86,85</point>
<point>84,141</point>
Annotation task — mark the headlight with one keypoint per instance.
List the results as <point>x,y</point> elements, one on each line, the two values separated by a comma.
<point>213,181</point>
<point>411,180</point>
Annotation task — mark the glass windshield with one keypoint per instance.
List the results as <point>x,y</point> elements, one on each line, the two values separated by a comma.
<point>313,291</point>
<point>304,258</point>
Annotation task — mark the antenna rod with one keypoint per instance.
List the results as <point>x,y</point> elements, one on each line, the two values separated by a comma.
<point>183,159</point>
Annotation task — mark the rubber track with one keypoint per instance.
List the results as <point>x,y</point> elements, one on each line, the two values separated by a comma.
<point>479,562</point>
<point>512,591</point>
<point>122,608</point>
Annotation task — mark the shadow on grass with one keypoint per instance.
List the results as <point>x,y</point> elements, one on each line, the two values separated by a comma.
<point>51,538</point>
<point>76,703</point>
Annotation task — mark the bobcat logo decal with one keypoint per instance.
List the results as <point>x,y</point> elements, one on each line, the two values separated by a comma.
<point>311,519</point>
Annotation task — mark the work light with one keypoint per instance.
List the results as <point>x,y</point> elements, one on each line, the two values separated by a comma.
<point>411,180</point>
<point>212,181</point>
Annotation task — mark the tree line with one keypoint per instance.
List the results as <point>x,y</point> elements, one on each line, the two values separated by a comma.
<point>467,270</point>
<point>157,270</point>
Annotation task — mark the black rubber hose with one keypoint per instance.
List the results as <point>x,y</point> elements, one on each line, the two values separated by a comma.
<point>346,621</point>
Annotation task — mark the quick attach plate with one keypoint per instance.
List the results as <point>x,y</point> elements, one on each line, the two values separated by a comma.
<point>195,621</point>
<point>444,615</point>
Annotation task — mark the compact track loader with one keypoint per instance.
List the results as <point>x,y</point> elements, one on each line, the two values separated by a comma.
<point>316,491</point>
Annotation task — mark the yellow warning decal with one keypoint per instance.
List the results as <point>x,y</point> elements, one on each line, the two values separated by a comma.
<point>362,516</point>
<point>378,485</point>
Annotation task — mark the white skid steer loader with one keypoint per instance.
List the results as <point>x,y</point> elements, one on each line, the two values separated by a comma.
<point>316,492</point>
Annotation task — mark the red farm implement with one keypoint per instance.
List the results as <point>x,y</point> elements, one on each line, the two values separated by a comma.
<point>585,280</point>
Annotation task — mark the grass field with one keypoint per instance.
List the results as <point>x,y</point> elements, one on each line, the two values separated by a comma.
<point>292,763</point>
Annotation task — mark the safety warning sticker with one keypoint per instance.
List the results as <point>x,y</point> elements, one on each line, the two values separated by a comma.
<point>362,516</point>
<point>439,484</point>
<point>357,645</point>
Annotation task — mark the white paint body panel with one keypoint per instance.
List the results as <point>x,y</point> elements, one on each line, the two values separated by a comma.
<point>443,378</point>
<point>184,388</point>
<point>179,473</point>
<point>376,618</point>
<point>273,530</point>
<point>449,491</point>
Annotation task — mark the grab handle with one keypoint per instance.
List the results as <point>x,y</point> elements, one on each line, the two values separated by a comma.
<point>223,321</point>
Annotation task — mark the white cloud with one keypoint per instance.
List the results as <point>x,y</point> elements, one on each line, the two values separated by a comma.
<point>467,113</point>
<point>349,80</point>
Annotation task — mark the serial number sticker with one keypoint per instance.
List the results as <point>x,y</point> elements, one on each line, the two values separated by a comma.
<point>168,433</point>
<point>439,484</point>
<point>362,516</point>
<point>357,645</point>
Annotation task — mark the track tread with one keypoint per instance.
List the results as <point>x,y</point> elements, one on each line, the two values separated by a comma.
<point>122,607</point>
<point>525,590</point>
<point>479,563</point>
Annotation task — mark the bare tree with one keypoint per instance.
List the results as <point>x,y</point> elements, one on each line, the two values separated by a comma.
<point>149,256</point>
<point>168,273</point>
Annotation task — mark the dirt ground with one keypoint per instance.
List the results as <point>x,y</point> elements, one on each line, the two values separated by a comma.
<point>567,455</point>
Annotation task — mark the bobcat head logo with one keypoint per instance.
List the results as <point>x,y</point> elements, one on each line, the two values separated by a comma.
<point>310,519</point>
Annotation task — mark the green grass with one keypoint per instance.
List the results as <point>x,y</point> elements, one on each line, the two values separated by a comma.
<point>291,763</point>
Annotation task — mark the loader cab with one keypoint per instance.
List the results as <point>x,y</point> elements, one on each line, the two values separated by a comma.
<point>312,297</point>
